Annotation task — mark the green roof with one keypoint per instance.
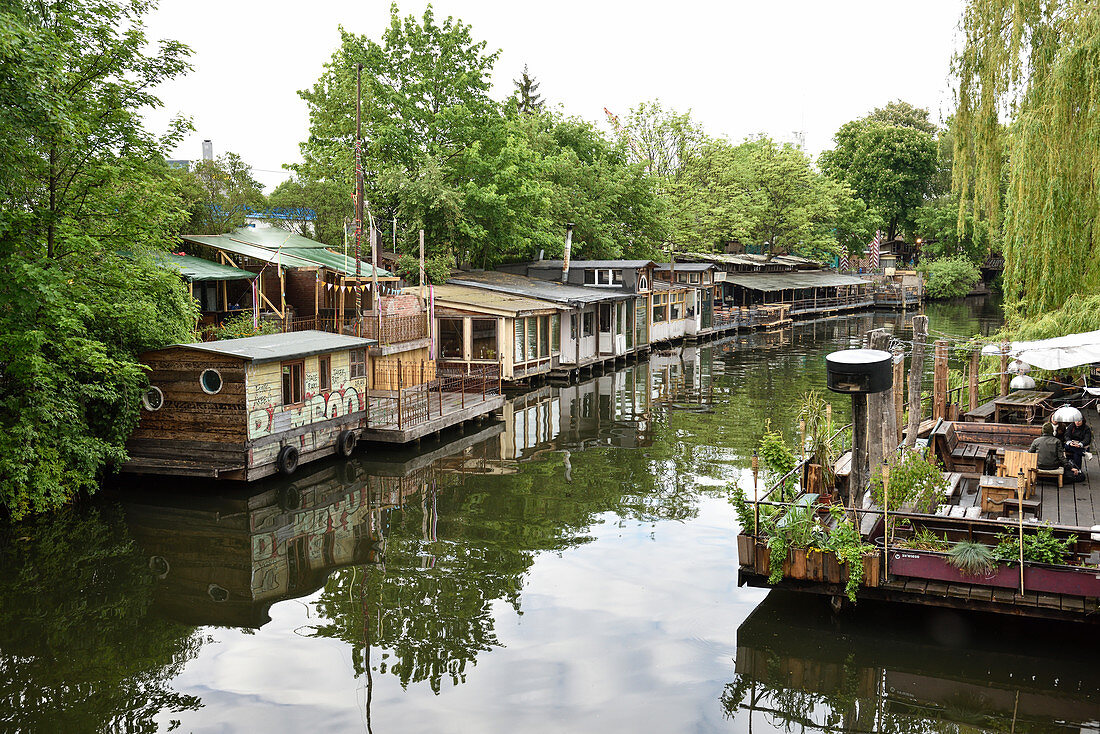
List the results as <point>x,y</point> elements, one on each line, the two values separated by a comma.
<point>303,247</point>
<point>197,269</point>
<point>227,244</point>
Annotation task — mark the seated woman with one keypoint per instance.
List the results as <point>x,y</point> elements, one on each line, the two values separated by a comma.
<point>1052,456</point>
<point>1077,439</point>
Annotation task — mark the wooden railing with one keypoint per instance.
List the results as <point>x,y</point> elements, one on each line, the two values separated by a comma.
<point>387,330</point>
<point>402,405</point>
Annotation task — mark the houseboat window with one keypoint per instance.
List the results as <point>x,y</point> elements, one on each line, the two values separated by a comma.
<point>210,381</point>
<point>153,398</point>
<point>572,327</point>
<point>519,355</point>
<point>640,320</point>
<point>603,277</point>
<point>619,309</point>
<point>660,307</point>
<point>358,366</point>
<point>484,334</point>
<point>693,277</point>
<point>555,333</point>
<point>677,304</point>
<point>617,277</point>
<point>293,383</point>
<point>605,317</point>
<point>643,283</point>
<point>587,323</point>
<point>451,338</point>
<point>590,277</point>
<point>544,336</point>
<point>532,337</point>
<point>324,372</point>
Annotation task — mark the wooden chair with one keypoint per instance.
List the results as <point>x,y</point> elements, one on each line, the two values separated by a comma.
<point>1016,462</point>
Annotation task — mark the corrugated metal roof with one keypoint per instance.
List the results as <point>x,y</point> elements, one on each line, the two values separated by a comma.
<point>277,347</point>
<point>198,269</point>
<point>624,264</point>
<point>688,267</point>
<point>293,250</point>
<point>787,281</point>
<point>467,297</point>
<point>664,285</point>
<point>546,290</point>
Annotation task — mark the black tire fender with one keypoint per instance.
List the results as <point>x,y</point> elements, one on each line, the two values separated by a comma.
<point>288,460</point>
<point>345,443</point>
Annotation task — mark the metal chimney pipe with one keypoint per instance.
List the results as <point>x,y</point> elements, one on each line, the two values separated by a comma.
<point>568,251</point>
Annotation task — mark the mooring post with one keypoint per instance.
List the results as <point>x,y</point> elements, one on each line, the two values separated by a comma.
<point>939,380</point>
<point>916,367</point>
<point>885,521</point>
<point>858,476</point>
<point>899,398</point>
<point>975,367</point>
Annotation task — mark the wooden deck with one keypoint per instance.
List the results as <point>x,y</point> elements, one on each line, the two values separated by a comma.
<point>441,411</point>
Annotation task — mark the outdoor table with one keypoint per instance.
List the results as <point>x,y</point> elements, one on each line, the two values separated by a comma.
<point>1026,401</point>
<point>995,490</point>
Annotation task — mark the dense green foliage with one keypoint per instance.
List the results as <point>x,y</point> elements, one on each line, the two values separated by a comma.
<point>85,194</point>
<point>219,193</point>
<point>889,159</point>
<point>950,277</point>
<point>1041,546</point>
<point>1035,64</point>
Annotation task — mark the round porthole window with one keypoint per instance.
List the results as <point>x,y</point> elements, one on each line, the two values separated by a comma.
<point>211,381</point>
<point>153,398</point>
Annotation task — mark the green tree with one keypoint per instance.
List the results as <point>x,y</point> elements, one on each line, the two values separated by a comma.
<point>219,193</point>
<point>889,160</point>
<point>86,194</point>
<point>1034,65</point>
<point>950,277</point>
<point>937,224</point>
<point>527,97</point>
<point>312,208</point>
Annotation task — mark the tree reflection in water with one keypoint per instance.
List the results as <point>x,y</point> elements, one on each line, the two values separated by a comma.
<point>78,651</point>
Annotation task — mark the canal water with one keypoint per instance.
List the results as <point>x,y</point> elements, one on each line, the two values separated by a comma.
<point>569,567</point>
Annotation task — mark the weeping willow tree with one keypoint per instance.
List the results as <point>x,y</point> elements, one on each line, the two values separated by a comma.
<point>1027,153</point>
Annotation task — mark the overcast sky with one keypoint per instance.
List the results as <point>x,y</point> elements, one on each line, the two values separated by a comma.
<point>741,67</point>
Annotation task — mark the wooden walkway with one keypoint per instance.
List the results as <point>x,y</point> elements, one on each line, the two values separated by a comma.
<point>435,413</point>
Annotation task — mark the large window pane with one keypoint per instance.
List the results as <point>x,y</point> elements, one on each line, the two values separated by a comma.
<point>450,339</point>
<point>532,338</point>
<point>555,333</point>
<point>484,339</point>
<point>544,336</point>
<point>587,323</point>
<point>641,320</point>
<point>519,356</point>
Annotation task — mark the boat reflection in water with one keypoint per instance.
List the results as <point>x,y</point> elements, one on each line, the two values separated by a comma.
<point>224,558</point>
<point>891,668</point>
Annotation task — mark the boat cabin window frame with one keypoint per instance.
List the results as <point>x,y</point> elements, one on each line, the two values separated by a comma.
<point>324,372</point>
<point>152,399</point>
<point>210,380</point>
<point>357,363</point>
<point>292,376</point>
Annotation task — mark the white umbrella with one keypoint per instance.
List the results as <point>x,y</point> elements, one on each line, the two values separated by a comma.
<point>1059,353</point>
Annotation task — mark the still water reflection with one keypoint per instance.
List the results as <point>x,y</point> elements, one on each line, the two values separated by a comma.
<point>567,567</point>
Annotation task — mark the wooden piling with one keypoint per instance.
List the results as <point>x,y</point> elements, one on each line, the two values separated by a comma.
<point>939,381</point>
<point>972,382</point>
<point>899,396</point>
<point>878,406</point>
<point>916,366</point>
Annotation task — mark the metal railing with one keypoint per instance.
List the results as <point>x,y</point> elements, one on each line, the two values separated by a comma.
<point>408,394</point>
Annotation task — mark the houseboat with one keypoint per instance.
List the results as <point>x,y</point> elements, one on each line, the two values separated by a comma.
<point>248,408</point>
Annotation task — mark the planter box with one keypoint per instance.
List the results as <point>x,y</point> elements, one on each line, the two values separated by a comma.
<point>746,550</point>
<point>923,564</point>
<point>803,564</point>
<point>1062,579</point>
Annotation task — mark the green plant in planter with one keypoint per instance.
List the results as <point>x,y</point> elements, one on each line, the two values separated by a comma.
<point>778,461</point>
<point>798,527</point>
<point>926,539</point>
<point>845,541</point>
<point>973,559</point>
<point>819,448</point>
<point>1041,547</point>
<point>915,483</point>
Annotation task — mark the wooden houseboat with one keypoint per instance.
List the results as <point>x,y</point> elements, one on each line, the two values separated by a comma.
<point>248,408</point>
<point>476,327</point>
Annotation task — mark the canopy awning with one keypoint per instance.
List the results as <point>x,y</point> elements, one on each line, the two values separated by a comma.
<point>1059,353</point>
<point>794,280</point>
<point>196,269</point>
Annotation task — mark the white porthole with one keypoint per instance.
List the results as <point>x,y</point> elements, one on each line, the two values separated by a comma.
<point>211,381</point>
<point>152,399</point>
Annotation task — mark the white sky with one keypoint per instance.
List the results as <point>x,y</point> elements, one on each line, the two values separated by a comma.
<point>740,67</point>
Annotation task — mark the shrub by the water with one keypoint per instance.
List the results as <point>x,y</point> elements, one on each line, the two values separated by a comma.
<point>951,277</point>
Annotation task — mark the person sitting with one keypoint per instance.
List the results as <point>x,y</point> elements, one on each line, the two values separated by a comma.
<point>1051,455</point>
<point>1077,439</point>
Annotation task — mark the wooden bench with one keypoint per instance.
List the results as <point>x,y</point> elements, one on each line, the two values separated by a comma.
<point>1012,503</point>
<point>958,455</point>
<point>1055,473</point>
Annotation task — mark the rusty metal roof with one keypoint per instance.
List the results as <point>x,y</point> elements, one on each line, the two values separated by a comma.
<point>470,298</point>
